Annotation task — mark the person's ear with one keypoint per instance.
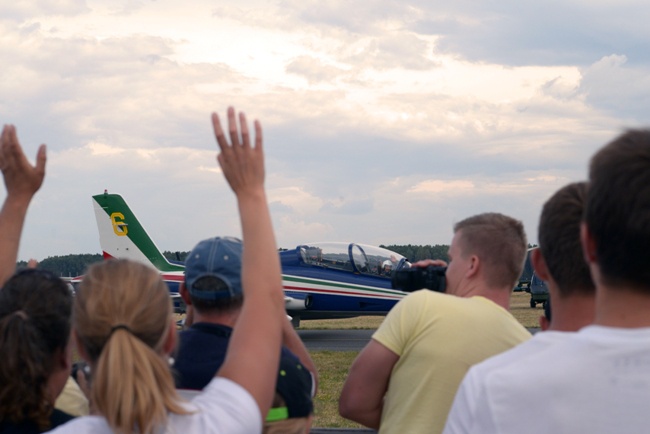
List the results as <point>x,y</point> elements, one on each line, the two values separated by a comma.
<point>185,294</point>
<point>544,323</point>
<point>539,264</point>
<point>588,244</point>
<point>474,265</point>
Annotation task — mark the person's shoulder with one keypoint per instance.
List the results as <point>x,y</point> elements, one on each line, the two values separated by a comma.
<point>225,403</point>
<point>59,417</point>
<point>206,330</point>
<point>615,334</point>
<point>427,296</point>
<point>84,424</point>
<point>286,352</point>
<point>518,354</point>
<point>539,354</point>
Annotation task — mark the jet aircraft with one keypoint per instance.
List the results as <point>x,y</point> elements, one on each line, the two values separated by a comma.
<point>321,280</point>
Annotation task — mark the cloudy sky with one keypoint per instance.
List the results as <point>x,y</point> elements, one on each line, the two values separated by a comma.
<point>385,121</point>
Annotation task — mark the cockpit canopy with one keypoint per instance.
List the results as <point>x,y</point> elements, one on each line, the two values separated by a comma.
<point>357,258</point>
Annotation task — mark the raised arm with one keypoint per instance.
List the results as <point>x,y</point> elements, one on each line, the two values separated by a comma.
<point>22,181</point>
<point>254,349</point>
<point>292,341</point>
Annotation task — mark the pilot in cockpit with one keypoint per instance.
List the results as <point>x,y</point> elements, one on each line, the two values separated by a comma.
<point>386,268</point>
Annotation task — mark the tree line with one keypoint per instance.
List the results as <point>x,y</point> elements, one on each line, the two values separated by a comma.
<point>76,265</point>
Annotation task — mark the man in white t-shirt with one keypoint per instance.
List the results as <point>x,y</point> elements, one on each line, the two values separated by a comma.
<point>559,262</point>
<point>405,379</point>
<point>597,380</point>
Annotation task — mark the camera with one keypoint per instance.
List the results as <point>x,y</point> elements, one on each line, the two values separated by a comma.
<point>414,278</point>
<point>83,367</point>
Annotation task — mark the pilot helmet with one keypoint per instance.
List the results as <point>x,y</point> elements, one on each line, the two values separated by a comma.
<point>387,263</point>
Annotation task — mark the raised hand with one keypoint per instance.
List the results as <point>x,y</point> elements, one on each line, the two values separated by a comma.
<point>253,351</point>
<point>242,164</point>
<point>21,179</point>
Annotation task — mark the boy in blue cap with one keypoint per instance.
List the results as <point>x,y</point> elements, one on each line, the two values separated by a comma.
<point>213,289</point>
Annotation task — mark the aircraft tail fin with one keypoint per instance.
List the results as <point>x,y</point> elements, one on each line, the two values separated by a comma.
<point>122,236</point>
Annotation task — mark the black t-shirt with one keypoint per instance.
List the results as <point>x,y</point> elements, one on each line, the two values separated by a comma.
<point>27,426</point>
<point>202,350</point>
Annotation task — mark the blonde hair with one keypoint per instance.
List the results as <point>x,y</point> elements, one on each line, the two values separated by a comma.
<point>500,243</point>
<point>122,316</point>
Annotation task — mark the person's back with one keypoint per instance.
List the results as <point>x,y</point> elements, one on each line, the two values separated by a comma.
<point>405,379</point>
<point>439,338</point>
<point>35,309</point>
<point>597,380</point>
<point>201,351</point>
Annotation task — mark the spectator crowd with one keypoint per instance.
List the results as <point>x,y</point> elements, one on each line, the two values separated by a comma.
<point>453,362</point>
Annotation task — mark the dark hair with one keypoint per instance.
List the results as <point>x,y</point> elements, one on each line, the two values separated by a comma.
<point>35,309</point>
<point>559,240</point>
<point>500,243</point>
<point>618,209</point>
<point>222,304</point>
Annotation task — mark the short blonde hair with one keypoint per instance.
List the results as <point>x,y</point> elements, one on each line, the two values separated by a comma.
<point>500,243</point>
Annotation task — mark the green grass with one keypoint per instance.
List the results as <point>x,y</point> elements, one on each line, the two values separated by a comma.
<point>332,369</point>
<point>520,309</point>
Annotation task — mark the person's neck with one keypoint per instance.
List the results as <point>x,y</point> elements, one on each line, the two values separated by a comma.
<point>570,314</point>
<point>500,296</point>
<point>622,307</point>
<point>55,384</point>
<point>228,319</point>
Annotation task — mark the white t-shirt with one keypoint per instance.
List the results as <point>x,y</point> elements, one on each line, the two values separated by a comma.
<point>472,389</point>
<point>595,381</point>
<point>223,407</point>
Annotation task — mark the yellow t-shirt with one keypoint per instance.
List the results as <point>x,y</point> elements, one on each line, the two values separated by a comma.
<point>72,400</point>
<point>438,338</point>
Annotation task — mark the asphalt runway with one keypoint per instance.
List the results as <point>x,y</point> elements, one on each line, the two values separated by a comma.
<point>335,340</point>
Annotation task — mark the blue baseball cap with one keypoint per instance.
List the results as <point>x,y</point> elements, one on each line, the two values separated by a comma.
<point>218,257</point>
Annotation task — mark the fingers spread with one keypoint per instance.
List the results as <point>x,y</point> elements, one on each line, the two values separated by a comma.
<point>232,127</point>
<point>218,132</point>
<point>258,134</point>
<point>242,166</point>
<point>12,152</point>
<point>244,130</point>
<point>41,158</point>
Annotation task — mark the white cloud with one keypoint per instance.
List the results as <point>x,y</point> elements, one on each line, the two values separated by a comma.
<point>436,186</point>
<point>614,86</point>
<point>384,122</point>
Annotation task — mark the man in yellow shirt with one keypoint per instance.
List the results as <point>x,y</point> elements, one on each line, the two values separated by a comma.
<point>406,378</point>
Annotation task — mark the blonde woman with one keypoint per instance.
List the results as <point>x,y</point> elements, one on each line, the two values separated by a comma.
<point>124,327</point>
